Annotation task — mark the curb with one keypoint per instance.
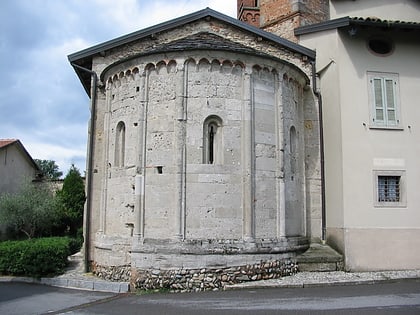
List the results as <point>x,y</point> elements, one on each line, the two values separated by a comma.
<point>71,283</point>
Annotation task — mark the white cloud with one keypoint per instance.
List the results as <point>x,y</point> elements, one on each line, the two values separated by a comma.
<point>42,102</point>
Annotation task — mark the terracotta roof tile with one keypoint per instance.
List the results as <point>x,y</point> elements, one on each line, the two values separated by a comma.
<point>6,142</point>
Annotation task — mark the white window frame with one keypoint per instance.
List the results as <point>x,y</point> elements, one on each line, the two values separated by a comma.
<point>402,189</point>
<point>387,102</point>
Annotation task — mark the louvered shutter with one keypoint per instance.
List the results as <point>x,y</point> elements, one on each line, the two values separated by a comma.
<point>379,110</point>
<point>390,102</point>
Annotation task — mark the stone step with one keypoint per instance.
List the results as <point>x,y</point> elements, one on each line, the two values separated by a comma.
<point>320,257</point>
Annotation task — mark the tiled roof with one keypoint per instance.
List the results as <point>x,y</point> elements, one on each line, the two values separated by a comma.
<point>84,57</point>
<point>204,41</point>
<point>6,142</point>
<point>374,21</point>
<point>354,21</point>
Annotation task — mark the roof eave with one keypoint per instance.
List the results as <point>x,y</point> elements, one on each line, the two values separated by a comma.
<point>347,21</point>
<point>84,57</point>
<point>323,26</point>
<point>100,48</point>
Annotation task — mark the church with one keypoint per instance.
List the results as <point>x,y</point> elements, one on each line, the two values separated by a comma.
<point>218,149</point>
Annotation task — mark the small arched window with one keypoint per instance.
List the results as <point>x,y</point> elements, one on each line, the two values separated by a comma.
<point>293,150</point>
<point>212,146</point>
<point>120,145</point>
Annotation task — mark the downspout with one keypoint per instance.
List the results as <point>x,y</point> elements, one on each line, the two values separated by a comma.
<point>322,154</point>
<point>86,223</point>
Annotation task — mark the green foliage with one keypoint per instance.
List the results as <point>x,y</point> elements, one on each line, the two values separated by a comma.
<point>49,168</point>
<point>33,211</point>
<point>35,257</point>
<point>75,244</point>
<point>72,196</point>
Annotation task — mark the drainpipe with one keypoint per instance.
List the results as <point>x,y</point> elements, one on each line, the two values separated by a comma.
<point>86,223</point>
<point>321,144</point>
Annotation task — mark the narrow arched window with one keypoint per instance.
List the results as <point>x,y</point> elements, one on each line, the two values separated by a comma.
<point>293,150</point>
<point>120,145</point>
<point>212,146</point>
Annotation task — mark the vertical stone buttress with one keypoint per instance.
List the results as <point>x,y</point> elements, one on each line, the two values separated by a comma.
<point>247,146</point>
<point>281,17</point>
<point>180,149</point>
<point>139,181</point>
<point>145,100</point>
<point>280,185</point>
<point>105,159</point>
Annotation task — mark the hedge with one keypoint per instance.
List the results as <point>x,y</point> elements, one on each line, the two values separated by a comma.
<point>35,257</point>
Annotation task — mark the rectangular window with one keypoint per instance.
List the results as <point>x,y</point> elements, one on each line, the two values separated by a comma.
<point>384,100</point>
<point>389,189</point>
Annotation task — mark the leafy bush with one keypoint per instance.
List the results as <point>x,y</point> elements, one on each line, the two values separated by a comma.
<point>34,211</point>
<point>75,243</point>
<point>34,257</point>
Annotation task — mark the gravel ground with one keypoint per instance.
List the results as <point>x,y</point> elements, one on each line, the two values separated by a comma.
<point>306,279</point>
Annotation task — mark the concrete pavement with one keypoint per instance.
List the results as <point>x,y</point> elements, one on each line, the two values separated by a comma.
<point>311,279</point>
<point>75,278</point>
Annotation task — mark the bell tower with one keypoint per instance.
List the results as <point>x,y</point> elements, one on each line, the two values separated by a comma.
<point>248,11</point>
<point>281,17</point>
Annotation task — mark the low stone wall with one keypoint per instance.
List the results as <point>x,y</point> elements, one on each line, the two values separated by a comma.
<point>112,273</point>
<point>194,280</point>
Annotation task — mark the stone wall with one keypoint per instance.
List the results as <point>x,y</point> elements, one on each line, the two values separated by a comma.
<point>155,190</point>
<point>194,280</point>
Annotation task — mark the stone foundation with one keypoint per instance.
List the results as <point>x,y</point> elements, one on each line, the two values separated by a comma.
<point>195,280</point>
<point>112,273</point>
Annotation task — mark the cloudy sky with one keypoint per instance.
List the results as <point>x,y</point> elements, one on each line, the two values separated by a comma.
<point>42,102</point>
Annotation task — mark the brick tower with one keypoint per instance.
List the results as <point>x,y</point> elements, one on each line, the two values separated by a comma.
<point>281,17</point>
<point>249,12</point>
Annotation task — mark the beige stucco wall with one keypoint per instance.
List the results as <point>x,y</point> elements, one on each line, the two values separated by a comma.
<point>14,169</point>
<point>354,150</point>
<point>366,149</point>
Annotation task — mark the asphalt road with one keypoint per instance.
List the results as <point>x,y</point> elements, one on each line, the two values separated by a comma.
<point>385,298</point>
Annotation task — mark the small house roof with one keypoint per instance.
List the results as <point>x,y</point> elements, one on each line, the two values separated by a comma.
<point>4,143</point>
<point>84,57</point>
<point>356,21</point>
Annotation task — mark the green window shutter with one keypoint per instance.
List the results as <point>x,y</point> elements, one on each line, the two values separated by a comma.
<point>390,102</point>
<point>379,117</point>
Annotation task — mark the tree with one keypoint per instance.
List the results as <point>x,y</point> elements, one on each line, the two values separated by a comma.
<point>49,168</point>
<point>72,196</point>
<point>33,211</point>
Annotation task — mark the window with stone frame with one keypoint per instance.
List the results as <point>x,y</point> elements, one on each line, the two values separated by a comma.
<point>390,189</point>
<point>120,144</point>
<point>384,100</point>
<point>212,138</point>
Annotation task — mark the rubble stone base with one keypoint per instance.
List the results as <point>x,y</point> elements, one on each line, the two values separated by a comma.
<point>194,280</point>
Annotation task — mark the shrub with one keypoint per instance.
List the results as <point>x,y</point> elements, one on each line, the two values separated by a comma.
<point>75,243</point>
<point>33,211</point>
<point>72,196</point>
<point>34,257</point>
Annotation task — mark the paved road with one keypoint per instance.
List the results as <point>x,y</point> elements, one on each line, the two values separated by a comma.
<point>386,298</point>
<point>25,299</point>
